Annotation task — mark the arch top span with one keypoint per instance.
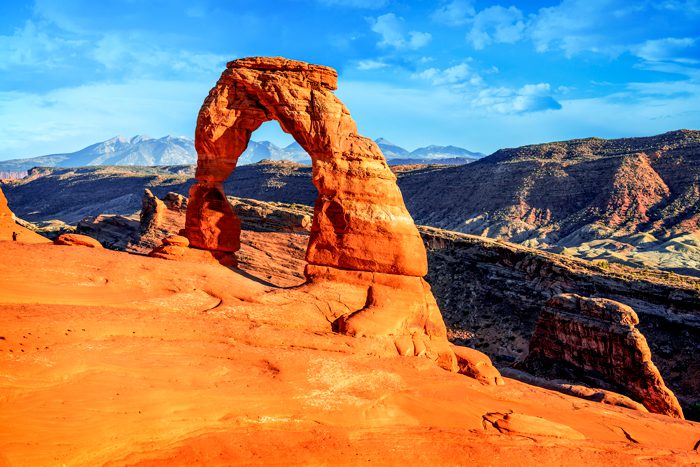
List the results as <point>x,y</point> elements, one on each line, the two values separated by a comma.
<point>360,220</point>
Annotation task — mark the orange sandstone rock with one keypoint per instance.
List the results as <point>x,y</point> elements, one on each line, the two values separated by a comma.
<point>4,209</point>
<point>360,221</point>
<point>363,243</point>
<point>597,336</point>
<point>477,365</point>
<point>11,230</point>
<point>77,240</point>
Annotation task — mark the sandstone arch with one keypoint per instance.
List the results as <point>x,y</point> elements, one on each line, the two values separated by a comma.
<point>360,221</point>
<point>366,257</point>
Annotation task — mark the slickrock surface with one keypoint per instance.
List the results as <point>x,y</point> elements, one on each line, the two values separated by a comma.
<point>360,221</point>
<point>468,274</point>
<point>4,209</point>
<point>116,359</point>
<point>598,337</point>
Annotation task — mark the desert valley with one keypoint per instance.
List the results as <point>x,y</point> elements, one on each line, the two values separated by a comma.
<point>537,306</point>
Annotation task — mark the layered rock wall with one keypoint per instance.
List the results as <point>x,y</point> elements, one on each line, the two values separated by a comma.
<point>598,336</point>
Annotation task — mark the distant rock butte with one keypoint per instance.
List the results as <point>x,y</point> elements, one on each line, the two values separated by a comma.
<point>598,336</point>
<point>362,237</point>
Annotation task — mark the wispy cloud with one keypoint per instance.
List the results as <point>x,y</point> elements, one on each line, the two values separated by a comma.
<point>370,64</point>
<point>526,99</point>
<point>393,33</point>
<point>369,4</point>
<point>33,124</point>
<point>667,49</point>
<point>33,46</point>
<point>498,25</point>
<point>462,80</point>
<point>454,13</point>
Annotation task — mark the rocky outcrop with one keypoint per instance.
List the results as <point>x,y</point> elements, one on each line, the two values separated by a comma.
<point>360,222</point>
<point>4,209</point>
<point>12,230</point>
<point>597,337</point>
<point>77,240</point>
<point>264,216</point>
<point>491,292</point>
<point>478,365</point>
<point>362,238</point>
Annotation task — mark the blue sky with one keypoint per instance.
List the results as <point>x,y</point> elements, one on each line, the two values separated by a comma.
<point>477,74</point>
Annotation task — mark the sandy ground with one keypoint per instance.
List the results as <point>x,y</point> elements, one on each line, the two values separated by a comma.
<point>108,358</point>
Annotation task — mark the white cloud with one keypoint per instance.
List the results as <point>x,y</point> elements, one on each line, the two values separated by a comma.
<point>457,76</point>
<point>496,24</point>
<point>67,119</point>
<point>370,65</point>
<point>477,94</point>
<point>575,26</point>
<point>454,13</point>
<point>667,49</point>
<point>137,56</point>
<point>529,98</point>
<point>32,46</point>
<point>369,4</point>
<point>391,29</point>
<point>418,39</point>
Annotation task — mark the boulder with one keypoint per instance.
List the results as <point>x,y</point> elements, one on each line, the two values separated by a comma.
<point>477,365</point>
<point>177,240</point>
<point>77,240</point>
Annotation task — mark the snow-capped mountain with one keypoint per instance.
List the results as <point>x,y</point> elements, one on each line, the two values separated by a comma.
<point>178,150</point>
<point>144,150</point>
<point>139,150</point>
<point>391,150</point>
<point>440,152</point>
<point>396,155</point>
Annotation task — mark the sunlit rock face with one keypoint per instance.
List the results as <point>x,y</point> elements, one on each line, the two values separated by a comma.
<point>4,209</point>
<point>364,250</point>
<point>598,336</point>
<point>360,221</point>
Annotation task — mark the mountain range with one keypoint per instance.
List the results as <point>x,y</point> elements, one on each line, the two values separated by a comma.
<point>634,201</point>
<point>175,150</point>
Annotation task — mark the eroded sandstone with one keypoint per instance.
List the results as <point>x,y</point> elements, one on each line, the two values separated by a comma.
<point>361,234</point>
<point>598,336</point>
<point>360,221</point>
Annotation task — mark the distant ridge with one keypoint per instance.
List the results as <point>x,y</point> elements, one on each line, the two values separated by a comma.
<point>143,150</point>
<point>453,155</point>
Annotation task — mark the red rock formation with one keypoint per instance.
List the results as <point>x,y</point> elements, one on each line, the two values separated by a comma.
<point>362,237</point>
<point>4,209</point>
<point>360,221</point>
<point>77,240</point>
<point>598,337</point>
<point>11,230</point>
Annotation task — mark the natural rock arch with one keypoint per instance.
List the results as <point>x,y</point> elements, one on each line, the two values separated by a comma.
<point>360,220</point>
<point>366,257</point>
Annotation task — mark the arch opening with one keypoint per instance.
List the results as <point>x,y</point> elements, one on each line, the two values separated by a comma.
<point>360,221</point>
